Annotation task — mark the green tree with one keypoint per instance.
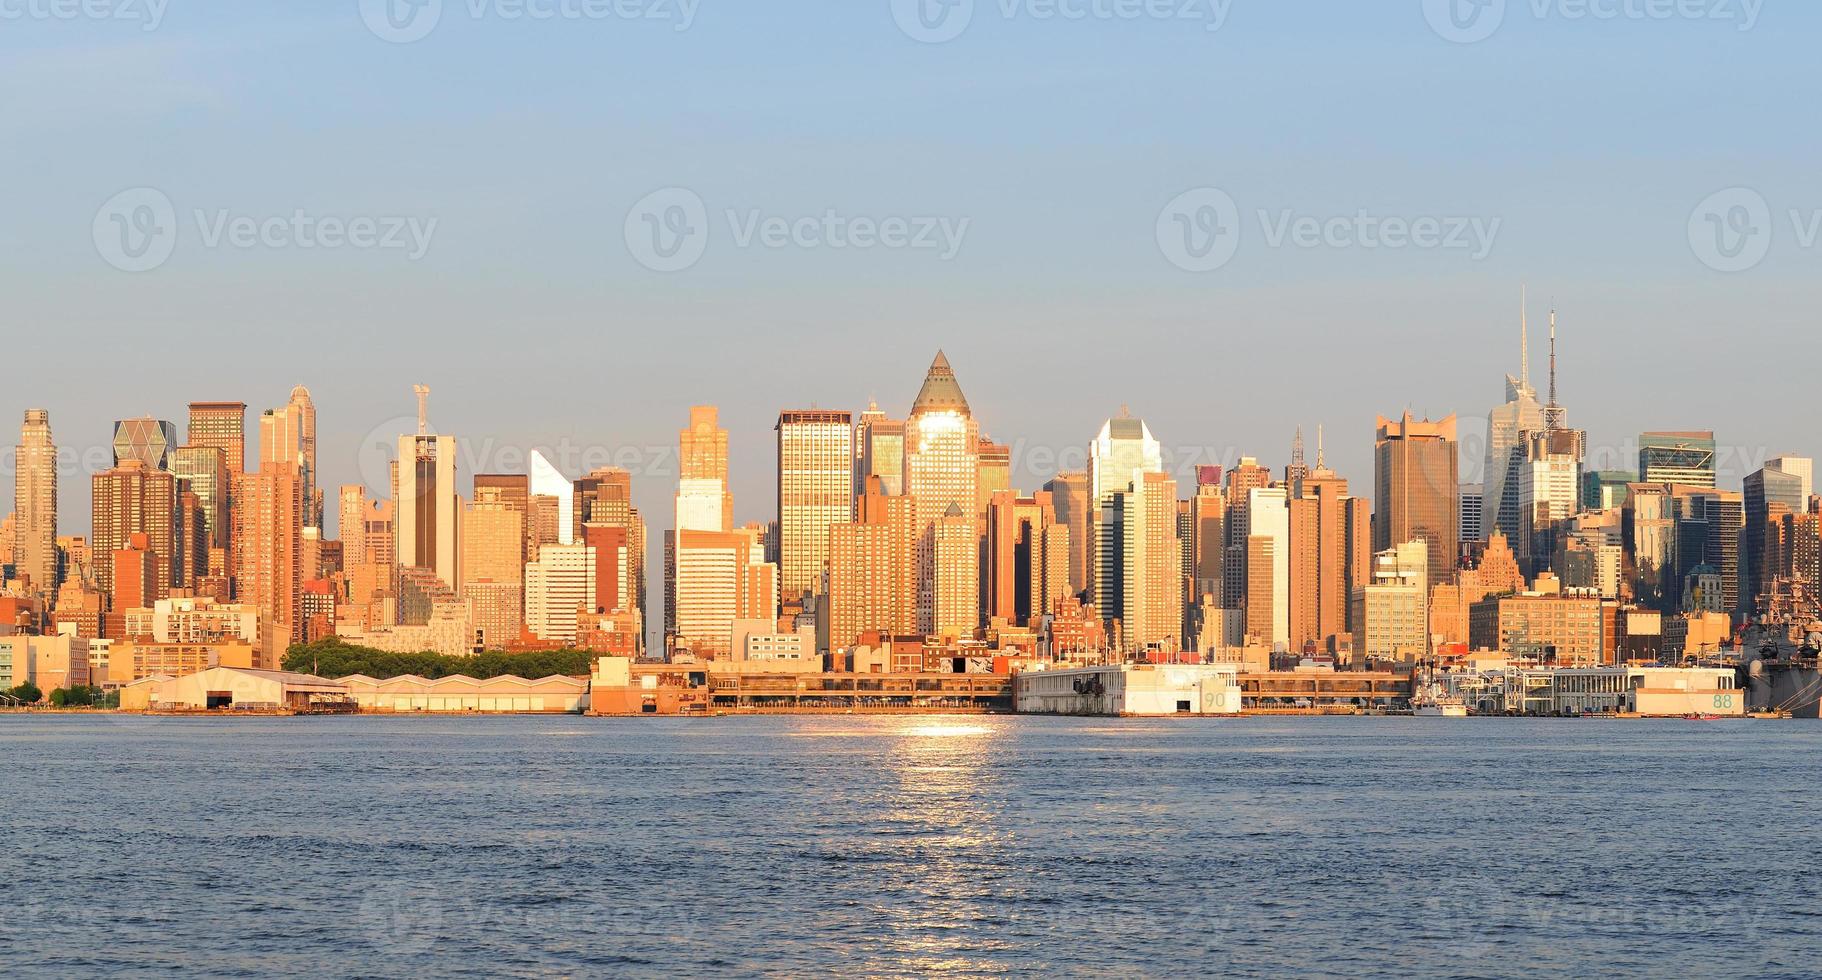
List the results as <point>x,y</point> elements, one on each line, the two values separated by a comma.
<point>334,657</point>
<point>27,692</point>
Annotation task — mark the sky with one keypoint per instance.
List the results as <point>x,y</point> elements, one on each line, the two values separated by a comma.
<point>1234,217</point>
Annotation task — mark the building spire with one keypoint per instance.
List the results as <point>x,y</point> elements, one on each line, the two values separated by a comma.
<point>423,393</point>
<point>1321,459</point>
<point>1524,342</point>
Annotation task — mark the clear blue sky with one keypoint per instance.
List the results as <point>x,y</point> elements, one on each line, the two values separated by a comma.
<point>1059,141</point>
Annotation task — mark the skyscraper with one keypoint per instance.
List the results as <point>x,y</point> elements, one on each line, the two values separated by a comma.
<point>942,470</point>
<point>872,571</point>
<point>1027,558</point>
<point>146,439</point>
<point>35,502</point>
<point>222,425</point>
<point>722,576</point>
<point>1415,482</point>
<point>1151,606</point>
<point>1118,457</point>
<point>1268,566</point>
<point>269,551</point>
<point>287,435</point>
<point>548,481</point>
<point>1779,488</point>
<point>1685,458</point>
<point>203,470</point>
<point>1506,428</point>
<point>426,508</point>
<point>703,500</point>
<point>1320,584</point>
<point>815,492</point>
<point>879,450</point>
<point>133,498</point>
<point>1069,496</point>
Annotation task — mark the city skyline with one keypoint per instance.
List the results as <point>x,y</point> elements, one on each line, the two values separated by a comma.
<point>752,443</point>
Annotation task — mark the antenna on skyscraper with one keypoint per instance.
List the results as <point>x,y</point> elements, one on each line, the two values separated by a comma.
<point>1553,413</point>
<point>1321,459</point>
<point>423,393</point>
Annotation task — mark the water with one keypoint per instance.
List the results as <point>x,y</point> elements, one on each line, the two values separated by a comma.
<point>908,846</point>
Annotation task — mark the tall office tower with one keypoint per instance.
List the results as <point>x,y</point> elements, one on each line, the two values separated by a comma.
<point>1606,489</point>
<point>1027,558</point>
<point>135,584</point>
<point>1473,519</point>
<point>511,490</point>
<point>203,470</point>
<point>1506,428</point>
<point>942,469</point>
<point>956,590</point>
<point>133,498</point>
<point>614,591</point>
<point>35,502</point>
<point>995,473</point>
<point>605,497</point>
<point>146,439</point>
<point>1151,604</point>
<point>722,576</point>
<point>1122,451</point>
<point>815,492</point>
<point>1393,611</point>
<point>350,513</point>
<point>269,551</point>
<point>872,572</point>
<point>1415,482</point>
<point>1685,458</point>
<point>1268,566</point>
<point>1207,543</point>
<point>1242,480</point>
<point>548,481</point>
<point>493,567</point>
<point>558,585</point>
<point>1781,487</point>
<point>702,484</point>
<point>1358,514</point>
<point>1709,528</point>
<point>222,425</point>
<point>426,510</point>
<point>1549,491</point>
<point>879,450</point>
<point>287,436</point>
<point>1069,497</point>
<point>1320,588</point>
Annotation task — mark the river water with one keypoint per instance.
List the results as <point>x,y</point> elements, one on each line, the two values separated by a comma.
<point>908,846</point>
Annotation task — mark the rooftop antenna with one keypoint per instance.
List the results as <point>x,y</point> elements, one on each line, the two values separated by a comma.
<point>423,393</point>
<point>1321,460</point>
<point>1553,413</point>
